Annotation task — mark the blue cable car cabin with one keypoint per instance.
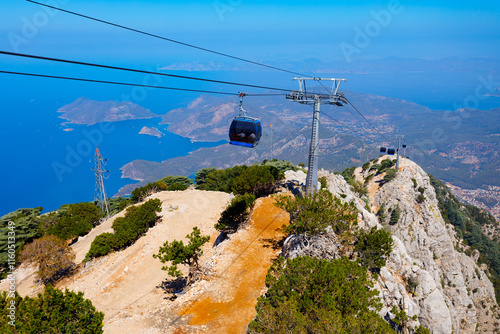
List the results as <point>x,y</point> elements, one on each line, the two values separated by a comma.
<point>245,131</point>
<point>383,150</point>
<point>391,151</point>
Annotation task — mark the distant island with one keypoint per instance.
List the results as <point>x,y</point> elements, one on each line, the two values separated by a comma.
<point>89,112</point>
<point>151,131</point>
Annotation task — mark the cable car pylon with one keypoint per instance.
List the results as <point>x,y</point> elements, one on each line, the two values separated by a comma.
<point>399,138</point>
<point>316,99</point>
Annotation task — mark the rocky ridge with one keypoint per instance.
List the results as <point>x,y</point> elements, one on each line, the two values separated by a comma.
<point>439,287</point>
<point>88,112</point>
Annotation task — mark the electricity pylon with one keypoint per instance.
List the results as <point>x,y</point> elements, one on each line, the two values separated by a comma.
<point>316,99</point>
<point>99,193</point>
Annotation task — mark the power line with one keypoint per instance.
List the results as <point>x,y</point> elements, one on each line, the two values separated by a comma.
<point>116,83</point>
<point>374,128</point>
<point>136,70</point>
<point>166,39</point>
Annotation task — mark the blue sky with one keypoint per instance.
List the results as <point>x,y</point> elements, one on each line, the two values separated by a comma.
<point>260,30</point>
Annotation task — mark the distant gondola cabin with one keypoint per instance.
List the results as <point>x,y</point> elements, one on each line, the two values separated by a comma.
<point>245,131</point>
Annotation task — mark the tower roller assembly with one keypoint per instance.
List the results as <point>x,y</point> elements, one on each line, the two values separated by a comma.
<point>332,96</point>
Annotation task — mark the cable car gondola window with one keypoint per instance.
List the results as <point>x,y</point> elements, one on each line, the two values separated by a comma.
<point>245,131</point>
<point>391,151</point>
<point>383,150</point>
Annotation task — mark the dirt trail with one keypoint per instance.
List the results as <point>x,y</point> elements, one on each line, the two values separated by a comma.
<point>227,304</point>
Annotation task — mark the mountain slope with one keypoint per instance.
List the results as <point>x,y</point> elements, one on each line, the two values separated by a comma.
<point>425,275</point>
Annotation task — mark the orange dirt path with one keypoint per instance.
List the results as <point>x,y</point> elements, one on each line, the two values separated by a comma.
<point>244,277</point>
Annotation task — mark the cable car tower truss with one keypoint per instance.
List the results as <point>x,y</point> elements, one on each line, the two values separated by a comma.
<point>316,99</point>
<point>99,193</point>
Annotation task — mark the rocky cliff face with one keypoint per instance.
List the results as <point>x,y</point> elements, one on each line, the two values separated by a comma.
<point>440,287</point>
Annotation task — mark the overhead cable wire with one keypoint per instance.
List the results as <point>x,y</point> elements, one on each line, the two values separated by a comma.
<point>116,83</point>
<point>265,94</point>
<point>356,116</point>
<point>327,90</point>
<point>344,125</point>
<point>367,121</point>
<point>167,39</point>
<point>137,70</point>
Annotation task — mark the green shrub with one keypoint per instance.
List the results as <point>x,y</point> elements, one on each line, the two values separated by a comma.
<point>348,173</point>
<point>386,163</point>
<point>420,198</point>
<point>374,248</point>
<point>374,167</point>
<point>312,214</point>
<point>365,166</point>
<point>222,180</point>
<point>103,244</point>
<point>177,253</point>
<point>308,295</point>
<point>358,187</point>
<point>137,220</point>
<point>411,284</point>
<point>421,190</point>
<point>422,330</point>
<point>280,165</point>
<point>395,215</point>
<point>235,214</point>
<point>415,185</point>
<point>117,205</point>
<point>24,225</point>
<point>177,186</point>
<point>257,180</point>
<point>178,180</point>
<point>54,311</point>
<point>381,213</point>
<point>369,177</point>
<point>124,204</point>
<point>390,174</point>
<point>201,175</point>
<point>323,182</point>
<point>75,220</point>
<point>139,194</point>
